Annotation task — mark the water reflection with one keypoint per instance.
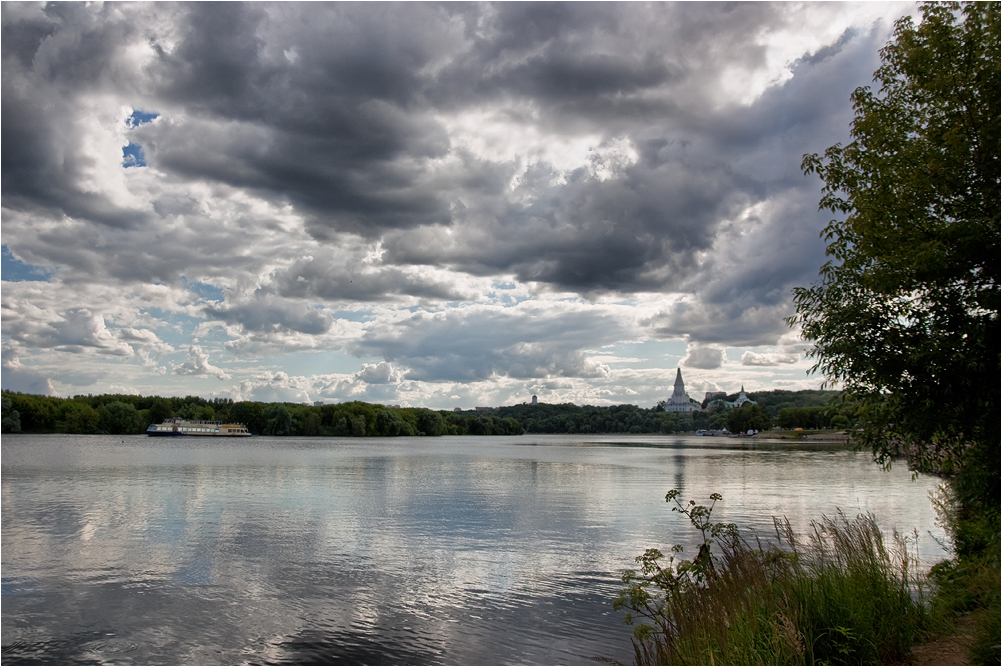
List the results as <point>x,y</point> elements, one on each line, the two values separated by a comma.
<point>417,551</point>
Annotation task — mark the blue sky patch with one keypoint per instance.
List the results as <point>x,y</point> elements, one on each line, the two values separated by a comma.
<point>207,292</point>
<point>352,315</point>
<point>309,363</point>
<point>646,354</point>
<point>140,118</point>
<point>15,271</point>
<point>133,156</point>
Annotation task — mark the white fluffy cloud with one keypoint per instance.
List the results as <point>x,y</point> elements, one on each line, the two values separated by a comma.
<point>750,358</point>
<point>705,357</point>
<point>198,364</point>
<point>17,377</point>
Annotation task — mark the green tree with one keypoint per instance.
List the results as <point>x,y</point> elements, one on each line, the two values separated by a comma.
<point>906,312</point>
<point>206,413</point>
<point>429,422</point>
<point>188,411</point>
<point>120,418</point>
<point>79,417</point>
<point>358,426</point>
<point>310,424</point>
<point>251,414</point>
<point>389,422</point>
<point>749,416</point>
<point>815,416</point>
<point>159,410</point>
<point>11,418</point>
<point>280,421</point>
<point>341,427</point>
<point>37,413</point>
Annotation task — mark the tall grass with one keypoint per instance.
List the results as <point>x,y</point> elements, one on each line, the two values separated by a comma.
<point>839,596</point>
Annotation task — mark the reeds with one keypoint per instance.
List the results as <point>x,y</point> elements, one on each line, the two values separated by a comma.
<point>840,596</point>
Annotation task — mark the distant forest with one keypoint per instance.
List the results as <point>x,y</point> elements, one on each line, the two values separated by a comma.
<point>125,414</point>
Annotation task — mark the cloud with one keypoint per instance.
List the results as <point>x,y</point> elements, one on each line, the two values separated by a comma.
<point>698,356</point>
<point>482,342</point>
<point>76,330</point>
<point>381,373</point>
<point>773,359</point>
<point>18,377</point>
<point>198,364</point>
<point>266,313</point>
<point>334,278</point>
<point>361,178</point>
<point>277,387</point>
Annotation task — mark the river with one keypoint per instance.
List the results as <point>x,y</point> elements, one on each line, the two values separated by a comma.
<point>452,550</point>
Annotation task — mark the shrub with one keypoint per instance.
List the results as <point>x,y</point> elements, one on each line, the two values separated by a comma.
<point>840,597</point>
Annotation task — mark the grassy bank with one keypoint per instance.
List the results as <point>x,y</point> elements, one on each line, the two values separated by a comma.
<point>839,596</point>
<point>969,584</point>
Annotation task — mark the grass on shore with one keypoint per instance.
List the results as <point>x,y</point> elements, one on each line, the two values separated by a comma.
<point>842,596</point>
<point>972,585</point>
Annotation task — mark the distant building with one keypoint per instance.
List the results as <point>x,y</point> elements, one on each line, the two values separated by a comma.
<point>534,400</point>
<point>742,399</point>
<point>457,409</point>
<point>481,408</point>
<point>723,402</point>
<point>710,395</point>
<point>317,404</point>
<point>680,401</point>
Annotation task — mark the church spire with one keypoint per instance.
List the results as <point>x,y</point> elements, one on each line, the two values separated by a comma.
<point>679,401</point>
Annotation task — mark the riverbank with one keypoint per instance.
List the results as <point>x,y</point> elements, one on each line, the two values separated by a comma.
<point>953,648</point>
<point>804,436</point>
<point>839,594</point>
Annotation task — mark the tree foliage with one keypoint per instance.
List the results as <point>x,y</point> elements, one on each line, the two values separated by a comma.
<point>120,418</point>
<point>83,414</point>
<point>11,418</point>
<point>906,312</point>
<point>747,417</point>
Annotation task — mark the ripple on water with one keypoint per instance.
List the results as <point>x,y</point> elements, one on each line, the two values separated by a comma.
<point>439,551</point>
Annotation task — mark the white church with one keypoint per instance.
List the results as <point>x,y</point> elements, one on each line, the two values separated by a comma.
<point>680,401</point>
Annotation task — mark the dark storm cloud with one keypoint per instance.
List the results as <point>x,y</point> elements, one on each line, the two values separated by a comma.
<point>315,103</point>
<point>51,56</point>
<point>342,118</point>
<point>696,168</point>
<point>634,232</point>
<point>328,279</point>
<point>593,61</point>
<point>330,107</point>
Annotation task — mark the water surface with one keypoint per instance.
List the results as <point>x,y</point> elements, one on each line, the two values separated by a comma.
<point>454,550</point>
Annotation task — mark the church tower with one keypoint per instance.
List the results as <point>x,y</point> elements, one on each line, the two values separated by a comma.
<point>742,398</point>
<point>679,401</point>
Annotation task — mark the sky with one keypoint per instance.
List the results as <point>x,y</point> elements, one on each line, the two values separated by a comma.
<point>418,204</point>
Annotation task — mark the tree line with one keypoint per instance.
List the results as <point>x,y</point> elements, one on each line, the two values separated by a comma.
<point>130,414</point>
<point>122,414</point>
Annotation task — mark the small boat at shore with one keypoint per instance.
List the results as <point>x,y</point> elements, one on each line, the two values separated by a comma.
<point>176,426</point>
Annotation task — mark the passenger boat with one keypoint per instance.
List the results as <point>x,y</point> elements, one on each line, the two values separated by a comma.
<point>176,426</point>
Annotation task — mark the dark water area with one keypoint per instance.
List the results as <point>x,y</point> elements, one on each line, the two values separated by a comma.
<point>454,550</point>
